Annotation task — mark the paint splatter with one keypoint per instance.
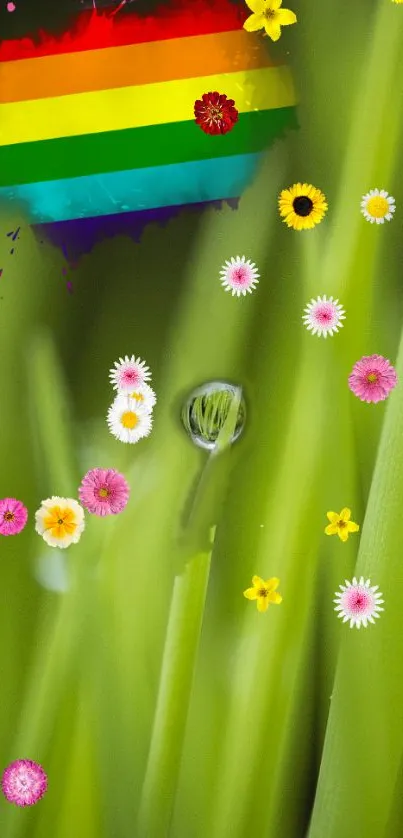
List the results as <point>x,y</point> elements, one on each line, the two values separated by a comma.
<point>14,235</point>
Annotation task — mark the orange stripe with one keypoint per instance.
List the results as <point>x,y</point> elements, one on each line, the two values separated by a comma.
<point>127,66</point>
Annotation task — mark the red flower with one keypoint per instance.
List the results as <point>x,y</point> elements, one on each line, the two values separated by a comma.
<point>215,113</point>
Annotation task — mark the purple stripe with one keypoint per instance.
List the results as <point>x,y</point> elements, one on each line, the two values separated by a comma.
<point>80,235</point>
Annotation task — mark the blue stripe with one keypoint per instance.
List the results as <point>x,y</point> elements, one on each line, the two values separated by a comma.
<point>134,190</point>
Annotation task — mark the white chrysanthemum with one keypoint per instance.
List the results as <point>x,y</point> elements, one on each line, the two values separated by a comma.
<point>323,316</point>
<point>144,396</point>
<point>378,206</point>
<point>129,374</point>
<point>239,276</point>
<point>60,521</point>
<point>358,602</point>
<point>127,420</point>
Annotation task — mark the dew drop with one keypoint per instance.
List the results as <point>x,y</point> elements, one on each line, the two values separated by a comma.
<point>206,409</point>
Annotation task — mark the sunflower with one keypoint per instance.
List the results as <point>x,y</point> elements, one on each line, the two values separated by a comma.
<point>302,206</point>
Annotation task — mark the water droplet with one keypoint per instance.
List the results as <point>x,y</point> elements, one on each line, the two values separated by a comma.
<point>206,409</point>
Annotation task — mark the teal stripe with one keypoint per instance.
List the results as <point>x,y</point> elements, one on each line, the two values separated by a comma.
<point>137,189</point>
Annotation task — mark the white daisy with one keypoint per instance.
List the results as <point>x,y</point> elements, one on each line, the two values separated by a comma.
<point>144,396</point>
<point>239,276</point>
<point>358,602</point>
<point>127,420</point>
<point>323,316</point>
<point>378,206</point>
<point>129,374</point>
<point>60,521</point>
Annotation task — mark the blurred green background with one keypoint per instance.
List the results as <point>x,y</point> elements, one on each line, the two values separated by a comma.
<point>158,700</point>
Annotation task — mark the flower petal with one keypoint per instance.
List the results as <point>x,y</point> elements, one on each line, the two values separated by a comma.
<point>352,527</point>
<point>274,597</point>
<point>345,514</point>
<point>272,583</point>
<point>343,534</point>
<point>272,28</point>
<point>258,582</point>
<point>254,22</point>
<point>331,529</point>
<point>333,517</point>
<point>262,603</point>
<point>256,6</point>
<point>250,593</point>
<point>285,17</point>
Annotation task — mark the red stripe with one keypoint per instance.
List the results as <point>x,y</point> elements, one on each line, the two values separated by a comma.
<point>181,19</point>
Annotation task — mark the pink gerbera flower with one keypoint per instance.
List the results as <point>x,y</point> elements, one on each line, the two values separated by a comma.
<point>129,373</point>
<point>239,276</point>
<point>104,491</point>
<point>13,516</point>
<point>24,782</point>
<point>358,602</point>
<point>372,378</point>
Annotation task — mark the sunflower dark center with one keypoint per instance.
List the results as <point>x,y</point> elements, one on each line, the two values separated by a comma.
<point>302,205</point>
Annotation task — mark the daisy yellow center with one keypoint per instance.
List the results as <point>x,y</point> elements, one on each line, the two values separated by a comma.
<point>129,419</point>
<point>372,378</point>
<point>138,397</point>
<point>377,206</point>
<point>9,516</point>
<point>103,493</point>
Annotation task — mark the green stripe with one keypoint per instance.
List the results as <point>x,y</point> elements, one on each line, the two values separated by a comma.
<point>137,148</point>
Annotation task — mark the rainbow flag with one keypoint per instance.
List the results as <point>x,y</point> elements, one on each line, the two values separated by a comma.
<point>101,121</point>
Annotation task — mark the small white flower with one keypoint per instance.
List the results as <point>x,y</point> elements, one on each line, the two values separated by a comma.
<point>129,373</point>
<point>144,396</point>
<point>239,276</point>
<point>377,206</point>
<point>323,316</point>
<point>358,602</point>
<point>127,420</point>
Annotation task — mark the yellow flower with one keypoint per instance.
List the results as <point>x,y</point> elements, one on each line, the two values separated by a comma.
<point>268,15</point>
<point>60,521</point>
<point>264,592</point>
<point>341,524</point>
<point>393,1</point>
<point>302,206</point>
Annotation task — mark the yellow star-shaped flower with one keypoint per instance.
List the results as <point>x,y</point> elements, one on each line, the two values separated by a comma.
<point>264,592</point>
<point>268,15</point>
<point>340,524</point>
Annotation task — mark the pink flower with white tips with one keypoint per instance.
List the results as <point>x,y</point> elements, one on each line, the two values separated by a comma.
<point>129,374</point>
<point>358,602</point>
<point>239,276</point>
<point>24,782</point>
<point>323,316</point>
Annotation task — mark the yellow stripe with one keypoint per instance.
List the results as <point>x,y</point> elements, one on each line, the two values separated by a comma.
<point>133,107</point>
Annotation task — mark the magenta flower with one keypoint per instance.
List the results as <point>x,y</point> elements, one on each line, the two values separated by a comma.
<point>372,378</point>
<point>13,516</point>
<point>104,491</point>
<point>24,782</point>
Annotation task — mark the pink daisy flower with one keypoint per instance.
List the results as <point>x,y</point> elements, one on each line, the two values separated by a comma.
<point>129,373</point>
<point>372,378</point>
<point>358,602</point>
<point>323,316</point>
<point>24,782</point>
<point>13,516</point>
<point>104,491</point>
<point>239,276</point>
